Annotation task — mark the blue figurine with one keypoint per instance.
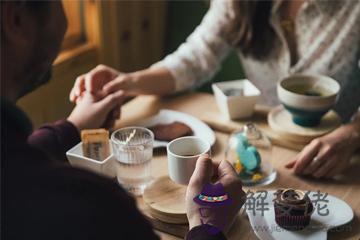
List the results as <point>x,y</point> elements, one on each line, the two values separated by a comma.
<point>248,154</point>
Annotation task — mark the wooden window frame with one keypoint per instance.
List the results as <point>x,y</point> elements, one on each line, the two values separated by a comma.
<point>75,50</point>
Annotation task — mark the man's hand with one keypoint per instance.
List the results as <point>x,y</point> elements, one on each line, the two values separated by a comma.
<point>329,155</point>
<point>225,174</point>
<point>93,111</point>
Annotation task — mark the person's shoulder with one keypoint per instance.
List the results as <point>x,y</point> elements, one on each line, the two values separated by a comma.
<point>80,203</point>
<point>77,190</point>
<point>111,207</point>
<point>219,18</point>
<point>85,182</point>
<point>222,7</point>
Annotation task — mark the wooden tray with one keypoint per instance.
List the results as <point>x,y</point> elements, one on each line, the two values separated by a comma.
<point>166,200</point>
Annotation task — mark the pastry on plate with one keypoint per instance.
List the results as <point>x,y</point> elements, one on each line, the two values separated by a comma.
<point>171,131</point>
<point>293,209</point>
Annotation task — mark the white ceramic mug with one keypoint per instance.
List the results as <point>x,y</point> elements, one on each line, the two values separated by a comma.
<point>182,154</point>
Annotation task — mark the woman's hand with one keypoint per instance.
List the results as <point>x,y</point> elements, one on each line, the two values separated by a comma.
<point>329,155</point>
<point>92,111</point>
<point>204,172</point>
<point>93,82</point>
<point>104,80</point>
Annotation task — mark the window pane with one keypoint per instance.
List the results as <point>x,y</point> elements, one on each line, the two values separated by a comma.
<point>75,33</point>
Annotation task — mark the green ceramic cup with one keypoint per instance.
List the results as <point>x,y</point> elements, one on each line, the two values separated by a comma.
<point>308,97</point>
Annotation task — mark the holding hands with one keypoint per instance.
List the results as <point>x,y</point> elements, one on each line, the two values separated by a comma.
<point>93,111</point>
<point>95,82</point>
<point>97,105</point>
<point>103,82</point>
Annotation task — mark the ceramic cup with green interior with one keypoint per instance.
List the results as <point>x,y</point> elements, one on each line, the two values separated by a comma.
<point>308,97</point>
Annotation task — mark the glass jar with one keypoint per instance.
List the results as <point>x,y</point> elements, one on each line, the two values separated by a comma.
<point>250,152</point>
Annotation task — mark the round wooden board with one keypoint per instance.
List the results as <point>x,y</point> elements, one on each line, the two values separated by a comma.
<point>281,122</point>
<point>166,200</point>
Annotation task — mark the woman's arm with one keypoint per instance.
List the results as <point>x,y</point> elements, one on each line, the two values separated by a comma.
<point>151,81</point>
<point>194,62</point>
<point>199,58</point>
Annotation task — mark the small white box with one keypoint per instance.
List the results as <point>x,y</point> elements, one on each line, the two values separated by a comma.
<point>105,167</point>
<point>241,102</point>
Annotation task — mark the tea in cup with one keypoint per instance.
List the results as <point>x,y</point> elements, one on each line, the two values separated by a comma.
<point>182,154</point>
<point>308,97</point>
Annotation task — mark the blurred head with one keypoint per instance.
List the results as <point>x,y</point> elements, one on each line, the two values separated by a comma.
<point>31,36</point>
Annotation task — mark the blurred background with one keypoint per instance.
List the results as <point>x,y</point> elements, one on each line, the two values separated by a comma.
<point>124,34</point>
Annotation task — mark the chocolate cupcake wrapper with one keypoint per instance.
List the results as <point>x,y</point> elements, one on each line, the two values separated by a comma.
<point>293,223</point>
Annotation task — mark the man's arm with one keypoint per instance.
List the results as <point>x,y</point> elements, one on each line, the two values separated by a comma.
<point>55,139</point>
<point>90,113</point>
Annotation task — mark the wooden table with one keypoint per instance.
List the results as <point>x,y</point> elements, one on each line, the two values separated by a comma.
<point>204,107</point>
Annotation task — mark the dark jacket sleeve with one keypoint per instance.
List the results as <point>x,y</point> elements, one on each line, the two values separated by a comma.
<point>55,139</point>
<point>202,233</point>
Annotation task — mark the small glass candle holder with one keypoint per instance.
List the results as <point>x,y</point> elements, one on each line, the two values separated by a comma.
<point>133,150</point>
<point>250,152</point>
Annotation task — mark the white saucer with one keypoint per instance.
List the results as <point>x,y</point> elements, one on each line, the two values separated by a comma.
<point>280,121</point>
<point>199,128</point>
<point>266,228</point>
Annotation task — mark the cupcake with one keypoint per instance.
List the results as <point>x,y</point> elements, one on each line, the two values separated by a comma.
<point>293,209</point>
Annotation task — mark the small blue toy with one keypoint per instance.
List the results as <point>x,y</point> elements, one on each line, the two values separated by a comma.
<point>248,154</point>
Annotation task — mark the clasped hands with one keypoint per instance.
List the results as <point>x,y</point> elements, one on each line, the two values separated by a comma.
<point>99,95</point>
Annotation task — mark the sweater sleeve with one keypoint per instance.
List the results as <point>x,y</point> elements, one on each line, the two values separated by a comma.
<point>199,58</point>
<point>55,139</point>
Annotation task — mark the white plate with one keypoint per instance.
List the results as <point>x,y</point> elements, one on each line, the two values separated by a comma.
<point>266,228</point>
<point>199,128</point>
